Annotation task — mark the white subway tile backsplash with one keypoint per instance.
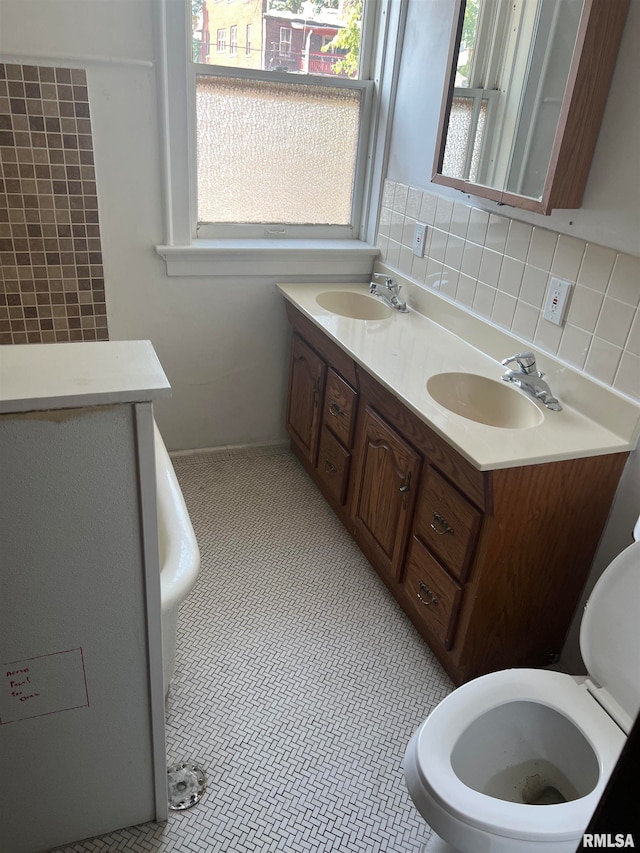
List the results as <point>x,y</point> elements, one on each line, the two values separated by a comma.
<point>397,226</point>
<point>518,240</point>
<point>603,360</point>
<point>478,223</point>
<point>484,299</point>
<point>449,282</point>
<point>414,202</point>
<point>438,246</point>
<point>384,225</point>
<point>497,232</point>
<point>428,208</point>
<point>460,219</point>
<point>542,248</point>
<point>625,280</point>
<point>525,321</point>
<point>405,261</point>
<point>627,378</point>
<point>388,192</point>
<point>444,212</point>
<point>419,268</point>
<point>408,230</point>
<point>471,258</point>
<point>511,274</point>
<point>596,268</point>
<point>548,336</point>
<point>504,307</point>
<point>574,346</point>
<point>478,259</point>
<point>393,253</point>
<point>534,286</point>
<point>490,267</point>
<point>466,289</point>
<point>633,341</point>
<point>454,252</point>
<point>400,198</point>
<point>584,309</point>
<point>568,257</point>
<point>614,321</point>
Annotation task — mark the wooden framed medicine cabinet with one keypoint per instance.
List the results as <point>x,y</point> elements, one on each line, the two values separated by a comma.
<point>524,98</point>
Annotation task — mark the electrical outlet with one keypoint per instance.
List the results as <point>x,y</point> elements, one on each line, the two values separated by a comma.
<point>419,236</point>
<point>556,302</point>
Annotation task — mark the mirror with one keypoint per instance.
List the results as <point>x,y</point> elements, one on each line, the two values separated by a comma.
<point>526,92</point>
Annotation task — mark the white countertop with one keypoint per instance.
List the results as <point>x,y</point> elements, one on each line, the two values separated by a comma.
<point>38,377</point>
<point>405,350</point>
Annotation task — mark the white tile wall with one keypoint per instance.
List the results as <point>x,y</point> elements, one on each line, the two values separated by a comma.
<point>499,269</point>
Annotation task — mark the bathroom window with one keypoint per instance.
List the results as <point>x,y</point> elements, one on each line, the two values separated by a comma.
<point>263,145</point>
<point>281,130</point>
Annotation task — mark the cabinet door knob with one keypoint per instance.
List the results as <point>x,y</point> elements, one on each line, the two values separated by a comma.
<point>335,410</point>
<point>442,527</point>
<point>426,594</point>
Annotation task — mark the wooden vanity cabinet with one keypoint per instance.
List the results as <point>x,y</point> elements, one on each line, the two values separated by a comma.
<point>488,565</point>
<point>384,488</point>
<point>322,409</point>
<point>306,390</point>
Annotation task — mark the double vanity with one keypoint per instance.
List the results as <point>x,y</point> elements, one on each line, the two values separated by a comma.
<point>479,507</point>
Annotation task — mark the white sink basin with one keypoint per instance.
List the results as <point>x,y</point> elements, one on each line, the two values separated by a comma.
<point>486,401</point>
<point>357,306</point>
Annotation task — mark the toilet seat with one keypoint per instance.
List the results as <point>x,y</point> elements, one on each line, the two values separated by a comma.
<point>437,737</point>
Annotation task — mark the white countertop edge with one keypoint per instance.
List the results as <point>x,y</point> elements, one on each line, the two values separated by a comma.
<point>486,447</point>
<point>42,377</point>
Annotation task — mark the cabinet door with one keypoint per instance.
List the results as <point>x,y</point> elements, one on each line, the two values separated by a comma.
<point>306,389</point>
<point>386,481</point>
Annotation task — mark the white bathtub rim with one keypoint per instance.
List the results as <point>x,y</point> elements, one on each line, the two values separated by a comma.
<point>181,564</point>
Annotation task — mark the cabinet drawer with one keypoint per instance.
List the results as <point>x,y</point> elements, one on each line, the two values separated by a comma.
<point>434,596</point>
<point>333,465</point>
<point>447,523</point>
<point>339,407</point>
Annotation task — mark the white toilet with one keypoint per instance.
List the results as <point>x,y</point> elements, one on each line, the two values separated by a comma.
<point>517,760</point>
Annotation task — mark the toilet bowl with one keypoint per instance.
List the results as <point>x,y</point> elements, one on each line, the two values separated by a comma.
<point>517,760</point>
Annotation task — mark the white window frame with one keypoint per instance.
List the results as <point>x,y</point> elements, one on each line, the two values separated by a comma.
<point>284,42</point>
<point>237,249</point>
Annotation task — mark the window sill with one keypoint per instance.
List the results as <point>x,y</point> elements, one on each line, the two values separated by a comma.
<point>269,257</point>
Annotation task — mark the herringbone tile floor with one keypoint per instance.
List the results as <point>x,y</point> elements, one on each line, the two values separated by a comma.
<point>299,680</point>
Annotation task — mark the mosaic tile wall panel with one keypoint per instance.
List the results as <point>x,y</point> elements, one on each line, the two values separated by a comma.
<point>51,275</point>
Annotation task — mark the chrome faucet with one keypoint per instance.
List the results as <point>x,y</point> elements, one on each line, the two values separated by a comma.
<point>530,379</point>
<point>389,291</point>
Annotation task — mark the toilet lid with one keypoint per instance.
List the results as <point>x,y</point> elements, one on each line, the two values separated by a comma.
<point>610,635</point>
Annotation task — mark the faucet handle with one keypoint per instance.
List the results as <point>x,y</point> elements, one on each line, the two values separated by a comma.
<point>526,362</point>
<point>389,281</point>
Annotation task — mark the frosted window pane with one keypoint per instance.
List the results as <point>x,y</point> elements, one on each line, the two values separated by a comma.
<point>275,152</point>
<point>459,139</point>
<point>455,154</point>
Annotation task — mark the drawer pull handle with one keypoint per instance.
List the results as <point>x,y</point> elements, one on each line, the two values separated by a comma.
<point>335,410</point>
<point>426,592</point>
<point>329,467</point>
<point>442,527</point>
